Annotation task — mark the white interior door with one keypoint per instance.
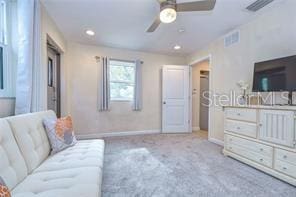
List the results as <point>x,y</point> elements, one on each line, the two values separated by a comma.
<point>175,102</point>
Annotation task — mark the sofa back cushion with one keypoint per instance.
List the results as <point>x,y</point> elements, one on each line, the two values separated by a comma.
<point>31,137</point>
<point>12,165</point>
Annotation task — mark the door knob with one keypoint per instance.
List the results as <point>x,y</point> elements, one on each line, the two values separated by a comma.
<point>164,102</point>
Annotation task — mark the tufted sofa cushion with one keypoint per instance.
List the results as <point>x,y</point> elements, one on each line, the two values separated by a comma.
<point>31,137</point>
<point>86,153</point>
<point>12,165</point>
<point>74,182</point>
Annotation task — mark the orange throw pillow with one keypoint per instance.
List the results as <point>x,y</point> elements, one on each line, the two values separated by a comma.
<point>60,133</point>
<point>64,125</point>
<point>4,191</point>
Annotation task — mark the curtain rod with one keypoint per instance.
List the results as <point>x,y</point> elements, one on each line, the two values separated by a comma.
<point>116,59</point>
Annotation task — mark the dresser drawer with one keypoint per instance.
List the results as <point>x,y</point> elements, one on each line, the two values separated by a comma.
<point>285,167</point>
<point>249,154</point>
<point>285,156</point>
<point>244,128</point>
<point>243,114</point>
<point>258,148</point>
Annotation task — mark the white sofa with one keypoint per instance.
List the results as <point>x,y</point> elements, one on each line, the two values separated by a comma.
<point>28,170</point>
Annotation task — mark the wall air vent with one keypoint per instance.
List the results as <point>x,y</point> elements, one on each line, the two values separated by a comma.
<point>232,39</point>
<point>257,5</point>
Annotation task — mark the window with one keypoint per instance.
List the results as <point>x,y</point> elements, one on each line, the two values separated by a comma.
<point>3,25</point>
<point>1,69</point>
<point>122,80</point>
<point>3,42</point>
<point>8,47</point>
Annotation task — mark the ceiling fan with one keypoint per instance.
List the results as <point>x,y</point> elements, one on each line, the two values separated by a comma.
<point>169,9</point>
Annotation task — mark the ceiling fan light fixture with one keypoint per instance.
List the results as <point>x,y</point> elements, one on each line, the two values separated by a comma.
<point>170,8</point>
<point>168,14</point>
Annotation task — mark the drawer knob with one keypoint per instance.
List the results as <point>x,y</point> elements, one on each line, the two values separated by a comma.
<point>284,168</point>
<point>285,156</point>
<point>261,149</point>
<point>261,160</point>
<point>238,114</point>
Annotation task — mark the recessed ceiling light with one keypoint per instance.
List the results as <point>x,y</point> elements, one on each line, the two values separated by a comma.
<point>90,32</point>
<point>181,30</point>
<point>177,47</point>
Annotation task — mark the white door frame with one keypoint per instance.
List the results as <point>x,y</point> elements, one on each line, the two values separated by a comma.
<point>209,58</point>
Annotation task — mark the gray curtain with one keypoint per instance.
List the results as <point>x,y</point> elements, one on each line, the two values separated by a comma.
<point>104,84</point>
<point>137,104</point>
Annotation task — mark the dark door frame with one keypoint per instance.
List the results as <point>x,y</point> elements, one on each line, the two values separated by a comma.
<point>55,49</point>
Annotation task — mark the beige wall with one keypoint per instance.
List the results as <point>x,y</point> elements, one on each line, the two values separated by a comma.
<point>196,68</point>
<point>49,29</point>
<point>6,107</point>
<point>83,91</point>
<point>268,36</point>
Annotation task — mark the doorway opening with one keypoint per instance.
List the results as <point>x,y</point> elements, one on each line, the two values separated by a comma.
<point>200,96</point>
<point>53,78</point>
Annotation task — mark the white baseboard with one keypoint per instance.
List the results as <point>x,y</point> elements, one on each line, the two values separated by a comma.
<point>131,133</point>
<point>116,134</point>
<point>195,128</point>
<point>216,141</point>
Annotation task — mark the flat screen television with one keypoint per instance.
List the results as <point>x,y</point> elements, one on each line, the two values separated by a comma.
<point>275,75</point>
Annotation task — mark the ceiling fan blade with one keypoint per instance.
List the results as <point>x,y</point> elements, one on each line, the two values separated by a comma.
<point>206,5</point>
<point>155,24</point>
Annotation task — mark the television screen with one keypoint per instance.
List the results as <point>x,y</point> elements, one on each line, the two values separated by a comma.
<point>275,75</point>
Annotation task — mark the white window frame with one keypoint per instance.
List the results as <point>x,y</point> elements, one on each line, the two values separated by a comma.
<point>8,90</point>
<point>3,20</point>
<point>128,64</point>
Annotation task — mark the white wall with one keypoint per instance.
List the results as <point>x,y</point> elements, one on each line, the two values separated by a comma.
<point>83,91</point>
<point>269,36</point>
<point>196,68</point>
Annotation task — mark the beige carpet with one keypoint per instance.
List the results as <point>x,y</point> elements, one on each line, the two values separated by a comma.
<point>181,165</point>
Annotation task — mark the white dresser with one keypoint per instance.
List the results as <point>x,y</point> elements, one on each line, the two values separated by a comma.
<point>263,137</point>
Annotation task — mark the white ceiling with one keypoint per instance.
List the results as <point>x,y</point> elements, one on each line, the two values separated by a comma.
<point>123,23</point>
